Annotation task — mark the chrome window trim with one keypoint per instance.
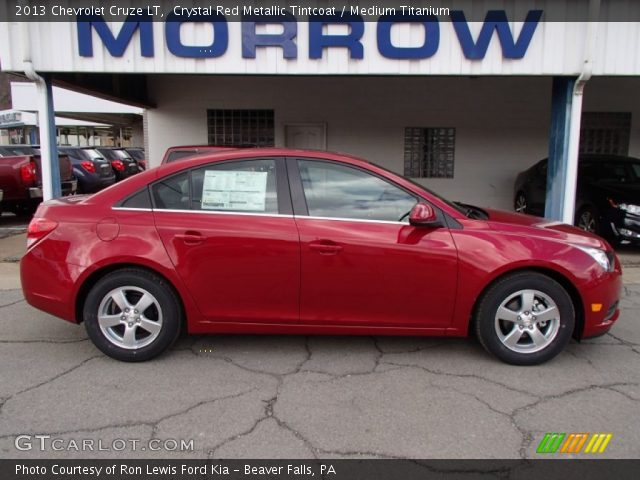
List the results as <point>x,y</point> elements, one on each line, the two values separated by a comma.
<point>132,209</point>
<point>221,212</point>
<point>276,215</point>
<point>363,220</point>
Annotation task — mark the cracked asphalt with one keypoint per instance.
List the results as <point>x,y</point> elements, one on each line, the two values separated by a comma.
<point>304,397</point>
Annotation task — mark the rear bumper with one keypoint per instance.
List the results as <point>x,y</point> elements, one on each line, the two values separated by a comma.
<point>49,285</point>
<point>67,188</point>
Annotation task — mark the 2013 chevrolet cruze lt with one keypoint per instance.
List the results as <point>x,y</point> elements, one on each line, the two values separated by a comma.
<point>292,241</point>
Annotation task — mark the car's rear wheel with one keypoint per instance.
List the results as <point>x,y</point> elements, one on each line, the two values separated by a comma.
<point>132,315</point>
<point>587,219</point>
<point>525,318</point>
<point>520,204</point>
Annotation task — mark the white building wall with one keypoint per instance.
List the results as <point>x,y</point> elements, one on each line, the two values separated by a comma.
<point>502,124</point>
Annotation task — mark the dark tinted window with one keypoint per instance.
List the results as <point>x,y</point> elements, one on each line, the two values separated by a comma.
<point>241,186</point>
<point>138,200</point>
<point>137,154</point>
<point>333,190</point>
<point>614,172</point>
<point>172,193</point>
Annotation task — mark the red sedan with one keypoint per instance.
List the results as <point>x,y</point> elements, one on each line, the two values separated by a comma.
<point>301,242</point>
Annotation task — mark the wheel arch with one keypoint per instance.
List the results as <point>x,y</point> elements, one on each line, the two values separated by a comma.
<point>105,270</point>
<point>569,287</point>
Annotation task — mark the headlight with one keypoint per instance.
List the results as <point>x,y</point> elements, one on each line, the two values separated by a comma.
<point>632,209</point>
<point>601,257</point>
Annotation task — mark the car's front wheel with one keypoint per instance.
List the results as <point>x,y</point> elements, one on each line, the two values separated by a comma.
<point>525,318</point>
<point>132,315</point>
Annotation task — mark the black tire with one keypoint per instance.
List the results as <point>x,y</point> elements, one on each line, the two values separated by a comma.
<point>587,219</point>
<point>520,203</point>
<point>487,323</point>
<point>166,309</point>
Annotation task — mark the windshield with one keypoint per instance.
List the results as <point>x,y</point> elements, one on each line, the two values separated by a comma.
<point>108,154</point>
<point>456,207</point>
<point>121,154</point>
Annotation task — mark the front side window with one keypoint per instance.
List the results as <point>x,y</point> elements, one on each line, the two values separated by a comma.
<point>338,191</point>
<point>242,186</point>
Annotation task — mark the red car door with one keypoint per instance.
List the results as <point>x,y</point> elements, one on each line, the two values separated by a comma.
<point>362,263</point>
<point>229,231</point>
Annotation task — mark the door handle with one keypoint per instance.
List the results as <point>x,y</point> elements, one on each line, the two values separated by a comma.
<point>325,247</point>
<point>190,238</point>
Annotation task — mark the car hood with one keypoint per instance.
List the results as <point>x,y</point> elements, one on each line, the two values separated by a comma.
<point>541,227</point>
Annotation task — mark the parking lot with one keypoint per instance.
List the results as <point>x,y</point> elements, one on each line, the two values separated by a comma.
<point>301,397</point>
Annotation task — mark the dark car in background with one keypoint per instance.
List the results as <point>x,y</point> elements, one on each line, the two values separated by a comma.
<point>21,178</point>
<point>607,196</point>
<point>122,163</point>
<point>91,169</point>
<point>139,155</point>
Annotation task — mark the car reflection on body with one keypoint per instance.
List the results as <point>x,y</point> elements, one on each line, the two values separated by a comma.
<point>304,242</point>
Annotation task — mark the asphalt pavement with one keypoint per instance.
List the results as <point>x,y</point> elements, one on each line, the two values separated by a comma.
<point>246,396</point>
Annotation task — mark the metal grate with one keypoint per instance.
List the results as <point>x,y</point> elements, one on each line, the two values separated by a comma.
<point>605,132</point>
<point>429,152</point>
<point>241,127</point>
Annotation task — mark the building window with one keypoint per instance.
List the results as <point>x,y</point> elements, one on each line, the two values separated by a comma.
<point>605,132</point>
<point>429,152</point>
<point>240,127</point>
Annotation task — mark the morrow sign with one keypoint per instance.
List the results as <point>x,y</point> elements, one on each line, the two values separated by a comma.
<point>495,22</point>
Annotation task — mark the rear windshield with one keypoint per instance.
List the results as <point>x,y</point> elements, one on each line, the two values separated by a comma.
<point>137,154</point>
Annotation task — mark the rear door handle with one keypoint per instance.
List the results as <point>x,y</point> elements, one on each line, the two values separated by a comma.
<point>190,238</point>
<point>325,247</point>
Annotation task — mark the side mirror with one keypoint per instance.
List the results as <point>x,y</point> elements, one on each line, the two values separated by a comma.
<point>423,215</point>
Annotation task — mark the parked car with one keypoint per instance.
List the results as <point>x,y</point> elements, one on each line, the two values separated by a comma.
<point>92,171</point>
<point>176,153</point>
<point>299,242</point>
<point>607,196</point>
<point>123,164</point>
<point>21,178</point>
<point>139,156</point>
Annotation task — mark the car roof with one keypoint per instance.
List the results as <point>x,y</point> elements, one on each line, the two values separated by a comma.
<point>239,153</point>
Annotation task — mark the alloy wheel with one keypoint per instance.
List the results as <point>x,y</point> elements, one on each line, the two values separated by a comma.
<point>527,321</point>
<point>130,317</point>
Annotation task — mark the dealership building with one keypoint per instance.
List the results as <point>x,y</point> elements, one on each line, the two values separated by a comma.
<point>460,101</point>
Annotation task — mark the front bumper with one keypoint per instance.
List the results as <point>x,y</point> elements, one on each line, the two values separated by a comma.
<point>625,226</point>
<point>601,304</point>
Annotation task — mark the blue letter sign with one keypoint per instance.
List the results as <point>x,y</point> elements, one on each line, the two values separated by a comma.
<point>116,45</point>
<point>318,40</point>
<point>431,36</point>
<point>220,37</point>
<point>495,20</point>
<point>251,40</point>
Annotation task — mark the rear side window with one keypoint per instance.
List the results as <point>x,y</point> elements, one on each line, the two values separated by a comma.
<point>137,200</point>
<point>243,186</point>
<point>172,193</point>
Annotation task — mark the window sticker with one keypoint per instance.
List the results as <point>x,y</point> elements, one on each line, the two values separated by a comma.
<point>229,190</point>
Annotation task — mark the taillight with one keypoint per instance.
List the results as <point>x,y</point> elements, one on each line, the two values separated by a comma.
<point>28,173</point>
<point>117,165</point>
<point>38,229</point>
<point>143,164</point>
<point>88,166</point>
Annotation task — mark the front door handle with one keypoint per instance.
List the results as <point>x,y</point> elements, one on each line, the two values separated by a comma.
<point>190,238</point>
<point>325,247</point>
